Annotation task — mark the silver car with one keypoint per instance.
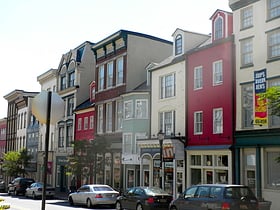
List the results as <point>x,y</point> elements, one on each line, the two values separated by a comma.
<point>35,190</point>
<point>93,194</point>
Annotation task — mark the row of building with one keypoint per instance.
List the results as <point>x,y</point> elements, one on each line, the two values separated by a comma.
<point>161,113</point>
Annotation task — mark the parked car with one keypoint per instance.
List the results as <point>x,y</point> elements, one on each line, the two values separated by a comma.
<point>94,194</point>
<point>216,196</point>
<point>2,186</point>
<point>35,190</point>
<point>144,198</point>
<point>19,185</point>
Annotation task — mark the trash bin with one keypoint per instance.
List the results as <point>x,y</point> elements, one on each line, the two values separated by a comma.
<point>264,205</point>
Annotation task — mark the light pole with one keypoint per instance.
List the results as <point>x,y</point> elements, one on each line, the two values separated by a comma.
<point>160,139</point>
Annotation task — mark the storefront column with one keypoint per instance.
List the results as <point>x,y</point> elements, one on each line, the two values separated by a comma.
<point>237,166</point>
<point>258,172</point>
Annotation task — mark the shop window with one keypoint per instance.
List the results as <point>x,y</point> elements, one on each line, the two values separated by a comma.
<point>273,170</point>
<point>196,160</point>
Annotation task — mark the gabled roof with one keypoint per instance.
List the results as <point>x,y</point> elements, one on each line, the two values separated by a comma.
<point>86,104</point>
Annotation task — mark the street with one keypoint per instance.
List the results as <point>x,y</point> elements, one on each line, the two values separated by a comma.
<point>23,203</point>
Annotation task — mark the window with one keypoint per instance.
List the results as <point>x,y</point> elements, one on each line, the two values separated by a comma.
<point>274,120</point>
<point>274,44</point>
<point>61,137</point>
<point>218,27</point>
<point>246,52</point>
<point>85,123</point>
<point>198,82</point>
<point>69,138</point>
<point>110,68</point>
<point>246,17</point>
<point>127,143</point>
<point>119,115</point>
<point>63,82</point>
<point>141,109</point>
<point>128,110</point>
<point>247,105</point>
<point>167,84</point>
<point>101,78</point>
<point>109,117</point>
<point>218,120</point>
<point>79,124</point>
<point>167,122</point>
<point>91,122</point>
<point>71,79</point>
<point>217,72</point>
<point>70,106</point>
<point>178,44</point>
<point>100,119</point>
<point>119,71</point>
<point>273,170</point>
<point>273,8</point>
<point>198,122</point>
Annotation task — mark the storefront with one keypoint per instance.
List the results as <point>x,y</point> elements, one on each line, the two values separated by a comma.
<point>209,164</point>
<point>168,171</point>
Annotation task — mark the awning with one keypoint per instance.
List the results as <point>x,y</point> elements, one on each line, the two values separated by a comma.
<point>209,147</point>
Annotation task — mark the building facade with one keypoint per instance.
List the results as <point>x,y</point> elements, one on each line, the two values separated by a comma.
<point>257,41</point>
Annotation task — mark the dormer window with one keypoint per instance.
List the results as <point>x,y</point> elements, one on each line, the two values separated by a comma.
<point>218,28</point>
<point>178,44</point>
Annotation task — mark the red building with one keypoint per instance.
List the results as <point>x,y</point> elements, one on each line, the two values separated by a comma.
<point>210,105</point>
<point>84,131</point>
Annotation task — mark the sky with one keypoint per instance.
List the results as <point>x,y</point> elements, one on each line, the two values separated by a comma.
<point>34,34</point>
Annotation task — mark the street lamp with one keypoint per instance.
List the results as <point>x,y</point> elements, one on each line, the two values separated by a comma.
<point>160,139</point>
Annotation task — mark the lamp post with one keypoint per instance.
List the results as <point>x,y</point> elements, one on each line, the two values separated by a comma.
<point>160,139</point>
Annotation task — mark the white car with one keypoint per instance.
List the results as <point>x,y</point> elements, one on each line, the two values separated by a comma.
<point>35,190</point>
<point>94,194</point>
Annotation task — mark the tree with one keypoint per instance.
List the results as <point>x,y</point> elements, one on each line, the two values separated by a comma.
<point>273,96</point>
<point>14,163</point>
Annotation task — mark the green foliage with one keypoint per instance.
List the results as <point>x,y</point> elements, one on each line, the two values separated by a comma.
<point>273,96</point>
<point>14,163</point>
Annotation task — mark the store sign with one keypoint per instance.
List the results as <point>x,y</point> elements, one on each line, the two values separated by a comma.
<point>260,104</point>
<point>168,153</point>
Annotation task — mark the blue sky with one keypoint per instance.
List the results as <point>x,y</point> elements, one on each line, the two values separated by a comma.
<point>35,33</point>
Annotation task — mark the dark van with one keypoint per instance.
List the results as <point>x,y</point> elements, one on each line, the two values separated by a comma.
<point>216,196</point>
<point>19,185</point>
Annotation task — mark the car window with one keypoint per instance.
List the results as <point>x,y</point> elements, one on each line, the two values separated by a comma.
<point>103,188</point>
<point>190,192</point>
<point>238,192</point>
<point>215,192</point>
<point>202,192</point>
<point>139,191</point>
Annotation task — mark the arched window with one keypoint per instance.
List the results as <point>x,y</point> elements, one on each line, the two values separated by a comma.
<point>218,27</point>
<point>178,44</point>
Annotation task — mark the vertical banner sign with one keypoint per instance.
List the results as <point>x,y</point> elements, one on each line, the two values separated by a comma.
<point>260,104</point>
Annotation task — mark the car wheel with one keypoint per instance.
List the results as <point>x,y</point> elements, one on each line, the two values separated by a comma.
<point>71,201</point>
<point>16,192</point>
<point>173,208</point>
<point>118,206</point>
<point>139,207</point>
<point>89,205</point>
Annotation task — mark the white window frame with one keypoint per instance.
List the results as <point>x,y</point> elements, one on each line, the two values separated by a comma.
<point>273,7</point>
<point>110,74</point>
<point>91,122</point>
<point>178,44</point>
<point>119,115</point>
<point>218,120</point>
<point>167,86</point>
<point>120,71</point>
<point>101,75</point>
<point>274,121</point>
<point>167,125</point>
<point>85,123</point>
<point>128,109</point>
<point>217,72</point>
<point>218,28</point>
<point>141,108</point>
<point>198,77</point>
<point>246,17</point>
<point>127,143</point>
<point>273,44</point>
<point>100,119</point>
<point>247,105</point>
<point>198,123</point>
<point>246,48</point>
<point>79,124</point>
<point>109,117</point>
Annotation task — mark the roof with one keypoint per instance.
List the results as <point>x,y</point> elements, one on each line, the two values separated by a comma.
<point>84,105</point>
